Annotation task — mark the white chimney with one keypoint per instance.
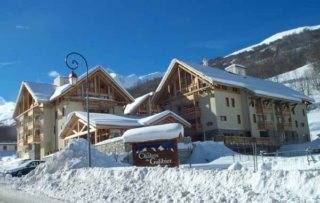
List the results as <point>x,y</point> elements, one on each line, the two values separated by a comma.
<point>73,78</point>
<point>237,69</point>
<point>60,80</point>
<point>205,62</point>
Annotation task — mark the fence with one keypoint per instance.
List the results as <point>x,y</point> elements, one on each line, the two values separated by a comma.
<point>308,159</point>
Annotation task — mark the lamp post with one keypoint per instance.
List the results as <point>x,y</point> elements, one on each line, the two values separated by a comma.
<point>72,62</point>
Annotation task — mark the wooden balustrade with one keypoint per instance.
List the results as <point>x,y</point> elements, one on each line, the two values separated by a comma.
<point>248,141</point>
<point>265,125</point>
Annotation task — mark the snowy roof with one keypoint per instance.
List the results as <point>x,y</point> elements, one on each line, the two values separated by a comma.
<point>159,116</point>
<point>107,119</point>
<point>41,92</point>
<point>60,90</point>
<point>102,119</point>
<point>277,36</point>
<point>151,133</point>
<point>257,86</point>
<point>130,121</point>
<point>132,107</point>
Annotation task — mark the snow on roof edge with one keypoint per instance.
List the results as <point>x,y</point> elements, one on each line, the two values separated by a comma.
<point>130,108</point>
<point>153,133</point>
<point>302,97</point>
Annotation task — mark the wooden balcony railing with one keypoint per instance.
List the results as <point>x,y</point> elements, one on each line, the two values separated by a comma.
<point>248,141</point>
<point>265,125</point>
<point>284,126</point>
<point>263,109</point>
<point>34,139</point>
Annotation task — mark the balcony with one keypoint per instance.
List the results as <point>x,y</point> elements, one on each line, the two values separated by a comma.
<point>263,109</point>
<point>190,112</point>
<point>265,125</point>
<point>34,139</point>
<point>248,141</point>
<point>22,142</point>
<point>284,126</point>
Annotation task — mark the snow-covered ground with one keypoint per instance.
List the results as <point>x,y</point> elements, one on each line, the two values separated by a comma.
<point>65,175</point>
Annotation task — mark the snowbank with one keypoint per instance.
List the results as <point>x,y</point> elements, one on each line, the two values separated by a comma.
<point>208,151</point>
<point>180,185</point>
<point>150,133</point>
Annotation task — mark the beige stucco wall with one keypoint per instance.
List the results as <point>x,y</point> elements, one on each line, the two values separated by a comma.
<point>300,118</point>
<point>47,120</point>
<point>207,106</point>
<point>70,106</point>
<point>229,111</point>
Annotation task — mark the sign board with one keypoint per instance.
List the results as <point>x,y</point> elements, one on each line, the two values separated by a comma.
<point>156,153</point>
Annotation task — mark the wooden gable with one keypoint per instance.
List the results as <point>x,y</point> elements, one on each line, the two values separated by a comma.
<point>101,86</point>
<point>25,102</point>
<point>181,81</point>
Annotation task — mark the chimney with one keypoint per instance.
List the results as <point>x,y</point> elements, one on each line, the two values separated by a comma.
<point>60,80</point>
<point>205,62</point>
<point>73,78</point>
<point>237,69</point>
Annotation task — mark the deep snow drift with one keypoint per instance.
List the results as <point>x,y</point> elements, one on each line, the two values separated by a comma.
<point>208,151</point>
<point>65,176</point>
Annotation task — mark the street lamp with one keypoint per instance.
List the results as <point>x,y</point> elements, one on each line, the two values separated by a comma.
<point>72,62</point>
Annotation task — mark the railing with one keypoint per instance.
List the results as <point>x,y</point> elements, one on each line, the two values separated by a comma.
<point>284,126</point>
<point>33,139</point>
<point>264,125</point>
<point>263,109</point>
<point>248,141</point>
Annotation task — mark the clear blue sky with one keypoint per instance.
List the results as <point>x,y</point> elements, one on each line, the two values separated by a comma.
<point>133,36</point>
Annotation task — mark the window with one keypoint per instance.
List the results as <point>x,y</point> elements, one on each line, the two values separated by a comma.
<point>303,112</point>
<point>252,103</point>
<point>239,119</point>
<point>223,118</point>
<point>232,102</point>
<point>227,101</point>
<point>4,147</point>
<point>293,111</point>
<point>63,111</point>
<point>235,89</point>
<point>296,123</point>
<point>302,124</point>
<point>254,118</point>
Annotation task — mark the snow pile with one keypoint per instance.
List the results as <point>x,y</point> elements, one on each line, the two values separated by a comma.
<point>314,123</point>
<point>74,156</point>
<point>8,162</point>
<point>150,133</point>
<point>156,184</point>
<point>208,151</point>
<point>276,37</point>
<point>235,166</point>
<point>267,166</point>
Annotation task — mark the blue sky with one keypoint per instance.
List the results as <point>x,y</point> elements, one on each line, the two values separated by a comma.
<point>133,36</point>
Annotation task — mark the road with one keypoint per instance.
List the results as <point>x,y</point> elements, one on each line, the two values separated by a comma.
<point>9,195</point>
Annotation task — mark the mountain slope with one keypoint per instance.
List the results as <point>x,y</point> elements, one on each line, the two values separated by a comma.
<point>129,81</point>
<point>277,54</point>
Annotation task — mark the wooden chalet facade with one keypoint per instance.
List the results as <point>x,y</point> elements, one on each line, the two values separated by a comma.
<point>41,110</point>
<point>225,106</point>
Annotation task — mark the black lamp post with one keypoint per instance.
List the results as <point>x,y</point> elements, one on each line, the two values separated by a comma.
<point>72,62</point>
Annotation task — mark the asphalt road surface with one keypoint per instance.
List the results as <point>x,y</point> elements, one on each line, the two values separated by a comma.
<point>9,195</point>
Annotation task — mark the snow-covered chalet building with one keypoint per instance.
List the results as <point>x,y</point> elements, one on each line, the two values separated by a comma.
<point>49,115</point>
<point>228,105</point>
